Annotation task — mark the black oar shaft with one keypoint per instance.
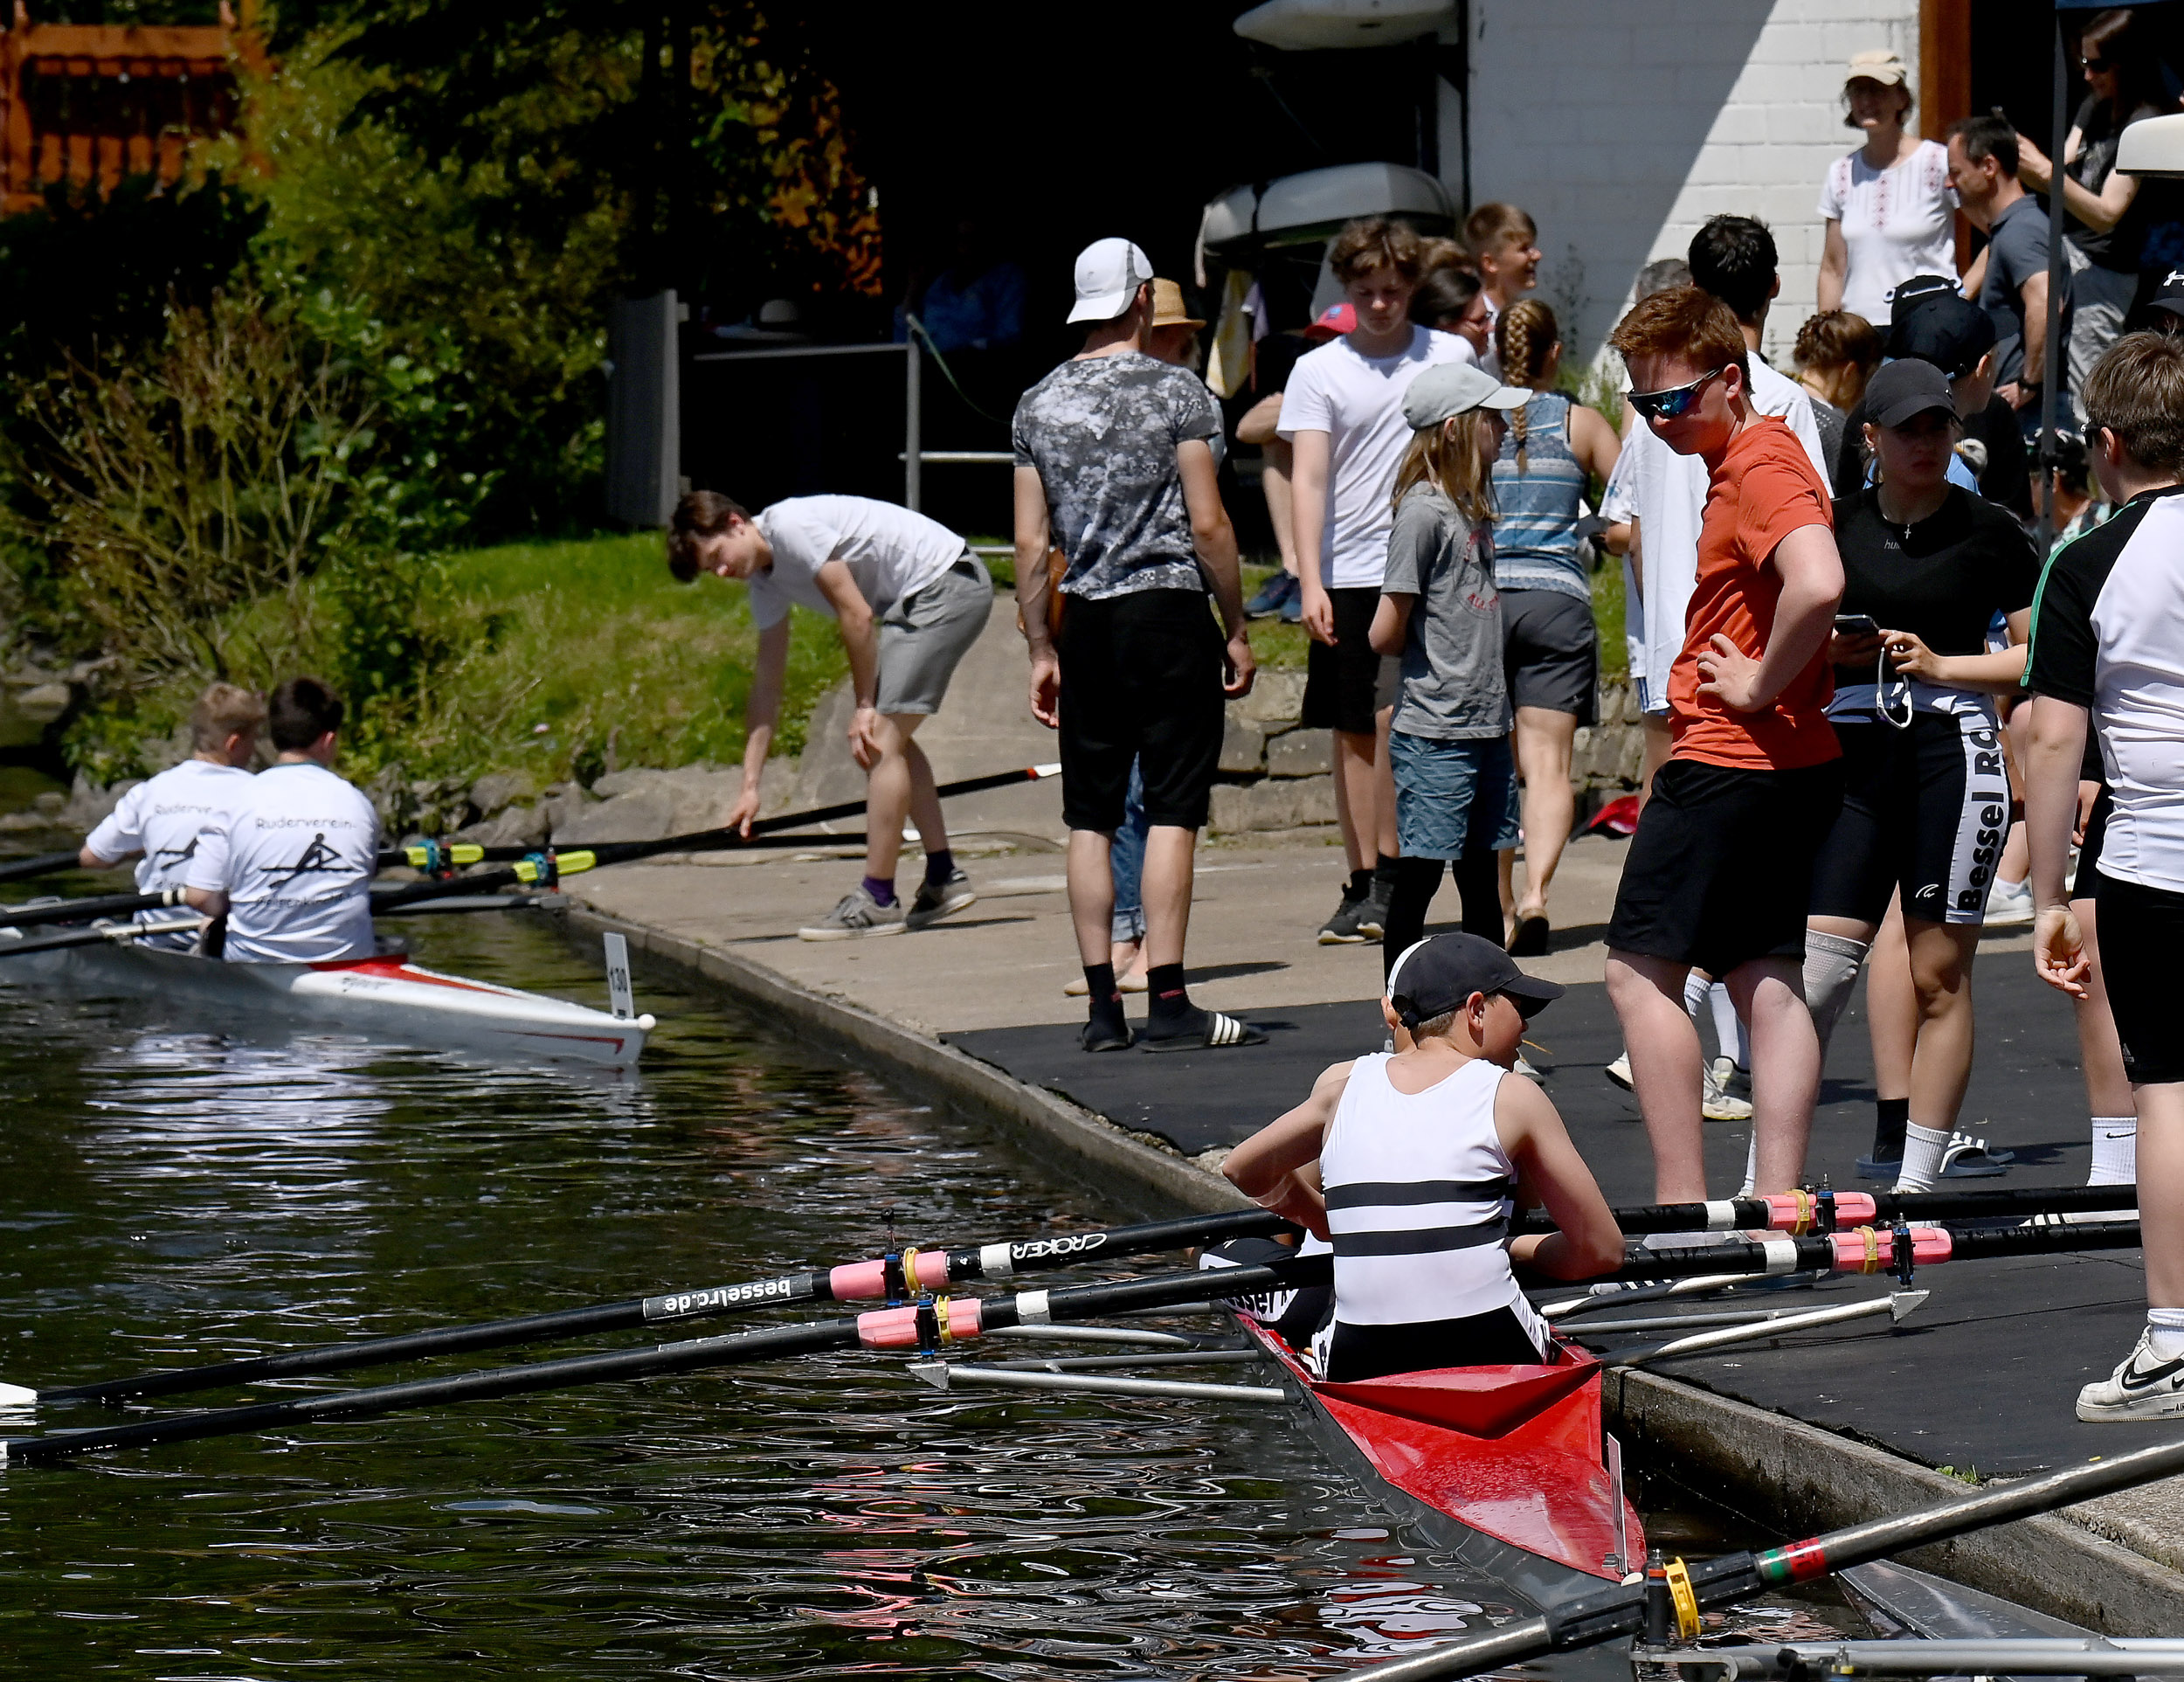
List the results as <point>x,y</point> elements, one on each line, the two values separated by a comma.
<point>1849,1252</point>
<point>855,1281</point>
<point>82,910</point>
<point>42,864</point>
<point>181,923</point>
<point>1796,1212</point>
<point>882,1328</point>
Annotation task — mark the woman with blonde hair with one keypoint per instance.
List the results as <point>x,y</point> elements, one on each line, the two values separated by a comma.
<point>1448,742</point>
<point>1549,649</point>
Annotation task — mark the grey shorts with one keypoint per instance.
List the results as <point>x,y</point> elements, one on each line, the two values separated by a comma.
<point>924,636</point>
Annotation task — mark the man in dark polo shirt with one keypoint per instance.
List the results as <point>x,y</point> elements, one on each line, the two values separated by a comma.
<point>2009,279</point>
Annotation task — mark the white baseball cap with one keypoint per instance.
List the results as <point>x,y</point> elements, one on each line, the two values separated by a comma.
<point>1109,273</point>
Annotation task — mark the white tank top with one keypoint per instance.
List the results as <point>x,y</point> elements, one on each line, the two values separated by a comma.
<point>1419,1194</point>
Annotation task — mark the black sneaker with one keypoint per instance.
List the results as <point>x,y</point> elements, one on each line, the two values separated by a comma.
<point>936,900</point>
<point>1346,927</point>
<point>1374,922</point>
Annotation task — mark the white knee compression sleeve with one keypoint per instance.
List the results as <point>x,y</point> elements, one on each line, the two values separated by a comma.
<point>1831,970</point>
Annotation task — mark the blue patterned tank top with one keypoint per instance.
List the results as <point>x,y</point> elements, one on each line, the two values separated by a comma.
<point>1537,511</point>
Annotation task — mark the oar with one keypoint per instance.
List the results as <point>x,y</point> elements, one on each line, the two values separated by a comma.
<point>1829,1211</point>
<point>1590,1619</point>
<point>928,1325</point>
<point>897,1274</point>
<point>437,855</point>
<point>41,864</point>
<point>83,910</point>
<point>1871,1249</point>
<point>119,933</point>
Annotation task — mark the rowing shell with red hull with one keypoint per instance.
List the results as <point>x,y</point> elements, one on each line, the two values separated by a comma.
<point>385,997</point>
<point>1510,1468</point>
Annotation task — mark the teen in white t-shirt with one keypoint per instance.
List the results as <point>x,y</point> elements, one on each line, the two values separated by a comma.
<point>891,552</point>
<point>291,862</point>
<point>157,823</point>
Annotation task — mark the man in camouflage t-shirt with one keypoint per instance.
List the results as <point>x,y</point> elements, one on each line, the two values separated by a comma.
<point>1113,469</point>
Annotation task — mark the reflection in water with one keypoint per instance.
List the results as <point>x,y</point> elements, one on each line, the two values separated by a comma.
<point>169,1193</point>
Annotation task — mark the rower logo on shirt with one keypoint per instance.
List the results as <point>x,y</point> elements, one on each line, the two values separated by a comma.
<point>318,859</point>
<point>179,855</point>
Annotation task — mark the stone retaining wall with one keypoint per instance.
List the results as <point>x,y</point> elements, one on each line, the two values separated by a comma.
<point>1277,775</point>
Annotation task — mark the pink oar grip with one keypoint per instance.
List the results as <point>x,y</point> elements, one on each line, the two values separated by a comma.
<point>1786,1210</point>
<point>896,1328</point>
<point>932,1267</point>
<point>858,1281</point>
<point>1928,1244</point>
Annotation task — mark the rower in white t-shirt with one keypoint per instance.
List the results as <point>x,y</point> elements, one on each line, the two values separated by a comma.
<point>291,863</point>
<point>157,823</point>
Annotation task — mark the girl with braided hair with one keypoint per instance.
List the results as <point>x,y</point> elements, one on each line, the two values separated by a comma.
<point>1550,649</point>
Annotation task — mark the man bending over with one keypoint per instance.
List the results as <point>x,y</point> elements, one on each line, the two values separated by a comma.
<point>290,864</point>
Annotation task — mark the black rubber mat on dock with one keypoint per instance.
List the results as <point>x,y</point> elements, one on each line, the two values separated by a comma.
<point>1982,1377</point>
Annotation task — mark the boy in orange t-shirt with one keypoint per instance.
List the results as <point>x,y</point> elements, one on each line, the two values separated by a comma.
<point>1719,873</point>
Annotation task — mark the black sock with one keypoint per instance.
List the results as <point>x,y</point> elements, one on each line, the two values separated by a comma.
<point>1106,997</point>
<point>1167,1000</point>
<point>939,867</point>
<point>1383,874</point>
<point>1416,882</point>
<point>1890,1117</point>
<point>1361,884</point>
<point>1479,880</point>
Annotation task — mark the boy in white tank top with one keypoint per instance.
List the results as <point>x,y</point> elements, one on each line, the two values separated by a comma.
<point>1410,1162</point>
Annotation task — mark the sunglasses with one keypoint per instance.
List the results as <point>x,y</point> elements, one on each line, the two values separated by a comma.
<point>1675,400</point>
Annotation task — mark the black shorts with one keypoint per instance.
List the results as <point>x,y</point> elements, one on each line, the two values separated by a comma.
<point>1141,680</point>
<point>1720,871</point>
<point>1551,651</point>
<point>1924,811</point>
<point>2142,930</point>
<point>1294,1316</point>
<point>1346,685</point>
<point>1498,1339</point>
<point>2089,850</point>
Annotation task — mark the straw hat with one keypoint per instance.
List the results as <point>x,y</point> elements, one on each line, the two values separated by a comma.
<point>1167,307</point>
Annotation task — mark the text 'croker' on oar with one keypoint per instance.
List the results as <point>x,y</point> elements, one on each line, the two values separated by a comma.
<point>439,855</point>
<point>889,1277</point>
<point>1590,1619</point>
<point>1804,1212</point>
<point>925,1325</point>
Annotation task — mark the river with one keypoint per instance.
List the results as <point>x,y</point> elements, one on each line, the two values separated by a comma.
<point>174,1190</point>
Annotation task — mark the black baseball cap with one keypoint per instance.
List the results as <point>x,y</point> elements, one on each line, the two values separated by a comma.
<point>1918,291</point>
<point>1902,390</point>
<point>1436,976</point>
<point>2169,294</point>
<point>1951,333</point>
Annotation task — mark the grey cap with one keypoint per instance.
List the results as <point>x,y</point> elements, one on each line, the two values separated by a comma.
<point>1457,388</point>
<point>1902,390</point>
<point>1436,976</point>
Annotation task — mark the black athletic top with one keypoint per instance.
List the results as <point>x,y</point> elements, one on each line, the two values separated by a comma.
<point>1942,579</point>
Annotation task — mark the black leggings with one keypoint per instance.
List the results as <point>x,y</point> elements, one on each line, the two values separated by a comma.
<point>1478,879</point>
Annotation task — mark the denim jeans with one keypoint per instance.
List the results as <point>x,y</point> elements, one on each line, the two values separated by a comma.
<point>1127,859</point>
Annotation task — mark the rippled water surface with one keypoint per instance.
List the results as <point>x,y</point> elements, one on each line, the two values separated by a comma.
<point>173,1193</point>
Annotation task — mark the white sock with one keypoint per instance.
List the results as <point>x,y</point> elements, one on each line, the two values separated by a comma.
<point>1695,987</point>
<point>1831,970</point>
<point>1729,1027</point>
<point>1922,1157</point>
<point>1752,1163</point>
<point>2115,1151</point>
<point>2165,1329</point>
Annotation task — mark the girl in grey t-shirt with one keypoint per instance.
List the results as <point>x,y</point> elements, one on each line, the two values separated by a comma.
<point>1455,793</point>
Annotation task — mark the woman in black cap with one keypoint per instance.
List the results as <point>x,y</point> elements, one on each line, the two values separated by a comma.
<point>1926,802</point>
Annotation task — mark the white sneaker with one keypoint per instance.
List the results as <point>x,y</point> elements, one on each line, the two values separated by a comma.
<point>2010,905</point>
<point>860,917</point>
<point>1714,1101</point>
<point>1525,1069</point>
<point>2141,1388</point>
<point>1618,1071</point>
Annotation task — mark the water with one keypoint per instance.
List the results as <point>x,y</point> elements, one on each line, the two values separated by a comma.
<point>170,1193</point>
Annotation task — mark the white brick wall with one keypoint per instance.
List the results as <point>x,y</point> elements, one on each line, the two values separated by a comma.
<point>1621,128</point>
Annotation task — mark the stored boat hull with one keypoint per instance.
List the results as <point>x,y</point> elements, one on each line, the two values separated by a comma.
<point>381,998</point>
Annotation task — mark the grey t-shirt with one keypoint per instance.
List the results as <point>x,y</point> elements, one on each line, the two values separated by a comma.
<point>2016,250</point>
<point>1452,688</point>
<point>1103,432</point>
